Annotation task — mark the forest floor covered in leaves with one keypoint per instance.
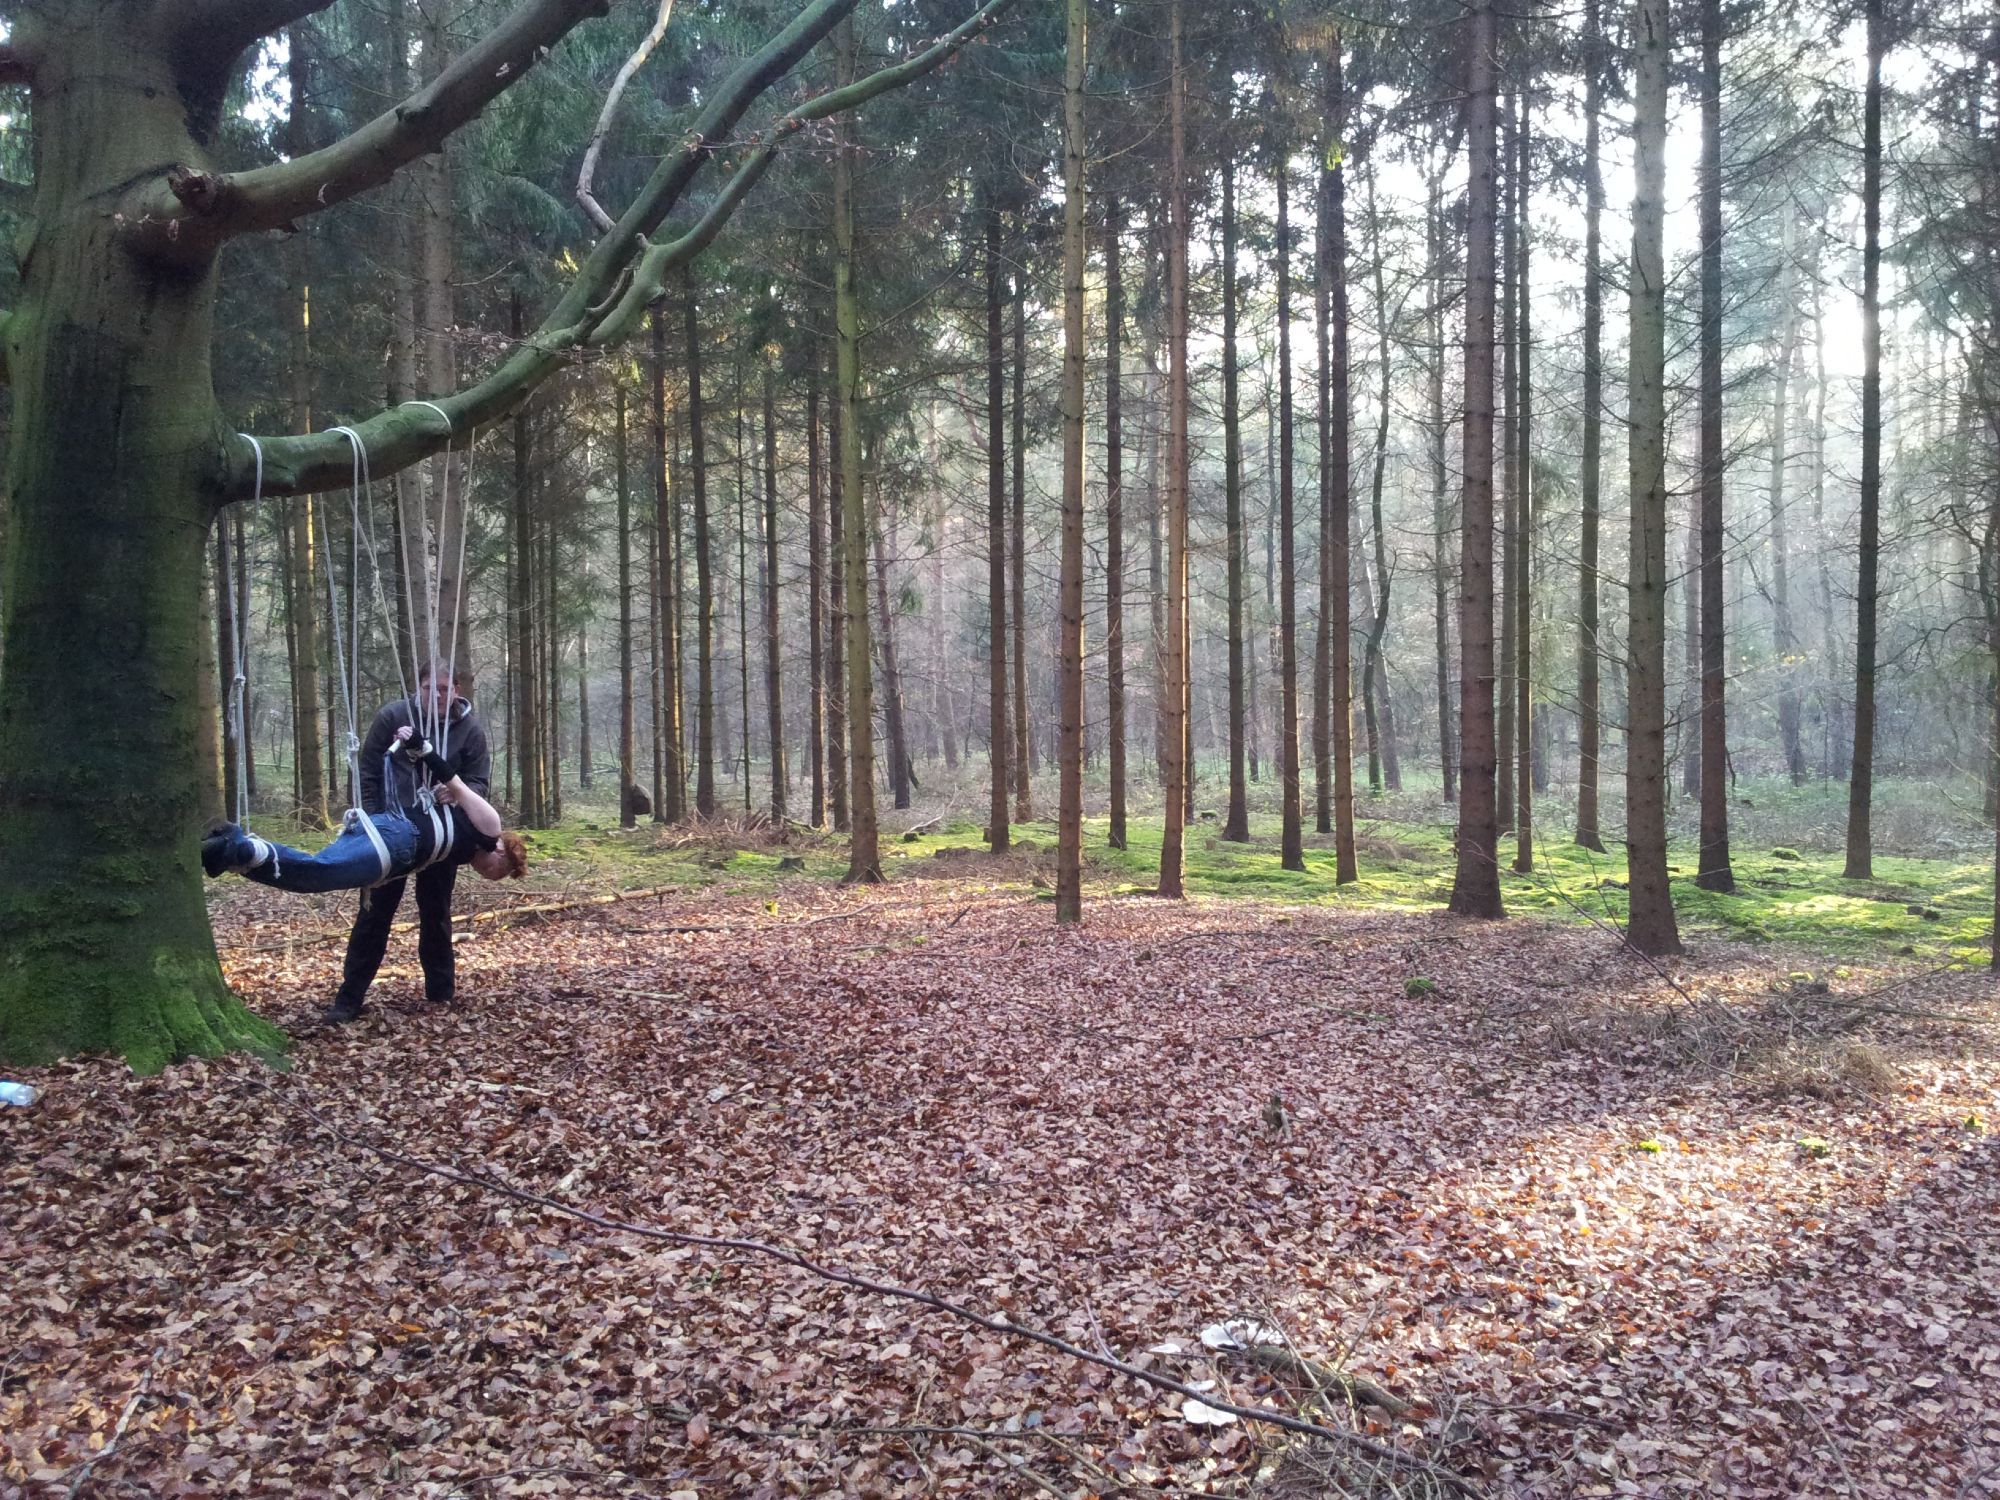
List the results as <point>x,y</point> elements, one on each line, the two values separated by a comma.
<point>1726,1229</point>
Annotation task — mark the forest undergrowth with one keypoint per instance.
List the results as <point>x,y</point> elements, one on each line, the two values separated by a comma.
<point>1587,1226</point>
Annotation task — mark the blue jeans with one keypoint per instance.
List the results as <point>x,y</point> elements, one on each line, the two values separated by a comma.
<point>348,863</point>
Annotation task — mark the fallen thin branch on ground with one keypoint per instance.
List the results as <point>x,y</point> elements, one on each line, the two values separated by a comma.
<point>1353,1441</point>
<point>117,1432</point>
<point>1356,1389</point>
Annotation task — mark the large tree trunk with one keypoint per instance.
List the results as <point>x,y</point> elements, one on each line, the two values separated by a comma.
<point>1651,928</point>
<point>1236,823</point>
<point>1173,658</point>
<point>1336,491</point>
<point>1069,752</point>
<point>1712,872</point>
<point>1861,774</point>
<point>999,740</point>
<point>1476,882</point>
<point>1589,732</point>
<point>864,858</point>
<point>1114,518</point>
<point>1291,838</point>
<point>113,477</point>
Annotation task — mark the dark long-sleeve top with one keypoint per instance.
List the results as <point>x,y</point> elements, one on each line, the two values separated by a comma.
<point>470,759</point>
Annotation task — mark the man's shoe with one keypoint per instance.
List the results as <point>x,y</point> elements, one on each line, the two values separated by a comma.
<point>341,1011</point>
<point>215,854</point>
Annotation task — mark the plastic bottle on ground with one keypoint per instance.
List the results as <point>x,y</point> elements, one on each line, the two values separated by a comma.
<point>18,1093</point>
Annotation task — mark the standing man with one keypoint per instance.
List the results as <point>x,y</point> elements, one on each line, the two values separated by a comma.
<point>389,782</point>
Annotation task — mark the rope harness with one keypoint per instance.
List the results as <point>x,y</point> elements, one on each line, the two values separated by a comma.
<point>431,720</point>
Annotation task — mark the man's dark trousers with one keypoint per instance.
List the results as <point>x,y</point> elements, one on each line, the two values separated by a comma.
<point>370,938</point>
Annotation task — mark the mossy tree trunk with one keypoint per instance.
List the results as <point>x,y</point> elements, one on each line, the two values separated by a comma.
<point>114,475</point>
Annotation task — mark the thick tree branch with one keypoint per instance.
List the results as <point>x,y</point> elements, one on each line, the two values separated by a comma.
<point>225,27</point>
<point>609,287</point>
<point>13,66</point>
<point>191,211</point>
<point>658,262</point>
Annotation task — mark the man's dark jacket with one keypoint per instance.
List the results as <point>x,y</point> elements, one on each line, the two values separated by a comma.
<point>466,751</point>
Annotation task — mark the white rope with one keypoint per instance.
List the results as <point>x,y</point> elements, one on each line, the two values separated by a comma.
<point>239,682</point>
<point>433,562</point>
<point>439,716</point>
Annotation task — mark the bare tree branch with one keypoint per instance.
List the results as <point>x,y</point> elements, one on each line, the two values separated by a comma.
<point>190,211</point>
<point>225,27</point>
<point>586,175</point>
<point>13,66</point>
<point>656,263</point>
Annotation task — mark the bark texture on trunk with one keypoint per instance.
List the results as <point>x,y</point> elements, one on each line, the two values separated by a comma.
<point>1651,928</point>
<point>1069,754</point>
<point>1173,658</point>
<point>864,858</point>
<point>1291,839</point>
<point>1589,729</point>
<point>1476,882</point>
<point>1336,503</point>
<point>999,732</point>
<point>1861,772</point>
<point>1114,518</point>
<point>1712,872</point>
<point>1236,822</point>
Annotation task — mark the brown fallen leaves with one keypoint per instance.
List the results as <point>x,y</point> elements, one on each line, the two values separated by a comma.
<point>1598,1269</point>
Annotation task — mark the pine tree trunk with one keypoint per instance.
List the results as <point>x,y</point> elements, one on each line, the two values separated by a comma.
<point>1114,517</point>
<point>705,803</point>
<point>671,806</point>
<point>1069,751</point>
<point>1589,648</point>
<point>836,660</point>
<point>892,677</point>
<point>1173,659</point>
<point>1521,593</point>
<point>1510,464</point>
<point>1861,773</point>
<point>1383,766</point>
<point>1434,227</point>
<point>1476,882</point>
<point>1236,824</point>
<point>527,731</point>
<point>1323,276</point>
<point>1713,872</point>
<point>628,785</point>
<point>1336,491</point>
<point>743,485</point>
<point>815,594</point>
<point>303,562</point>
<point>1023,761</point>
<point>998,737</point>
<point>774,688</point>
<point>1784,639</point>
<point>1291,841</point>
<point>1651,928</point>
<point>864,859</point>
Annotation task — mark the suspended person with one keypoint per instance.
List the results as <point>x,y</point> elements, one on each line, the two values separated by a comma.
<point>387,786</point>
<point>455,825</point>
